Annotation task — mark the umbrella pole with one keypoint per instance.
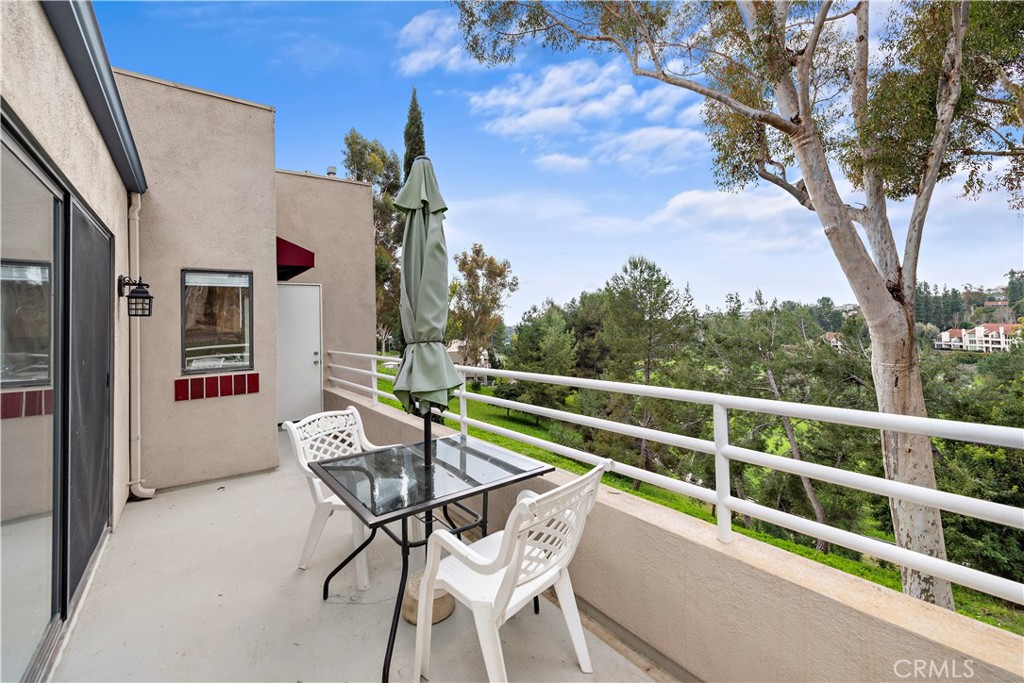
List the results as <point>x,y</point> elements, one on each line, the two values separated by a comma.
<point>427,456</point>
<point>428,462</point>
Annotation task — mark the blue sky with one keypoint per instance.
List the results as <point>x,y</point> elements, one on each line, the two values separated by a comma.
<point>563,164</point>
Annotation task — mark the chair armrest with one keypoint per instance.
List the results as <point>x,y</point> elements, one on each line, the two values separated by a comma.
<point>526,494</point>
<point>462,552</point>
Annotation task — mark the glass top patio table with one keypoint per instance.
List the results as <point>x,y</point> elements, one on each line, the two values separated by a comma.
<point>390,483</point>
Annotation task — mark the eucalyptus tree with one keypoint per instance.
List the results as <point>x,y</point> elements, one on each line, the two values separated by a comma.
<point>371,162</point>
<point>478,296</point>
<point>789,87</point>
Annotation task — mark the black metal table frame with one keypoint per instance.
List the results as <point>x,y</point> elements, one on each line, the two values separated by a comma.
<point>374,522</point>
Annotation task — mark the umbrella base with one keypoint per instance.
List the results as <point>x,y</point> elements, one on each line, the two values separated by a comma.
<point>444,603</point>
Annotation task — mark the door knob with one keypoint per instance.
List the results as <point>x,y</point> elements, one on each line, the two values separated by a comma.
<point>316,362</point>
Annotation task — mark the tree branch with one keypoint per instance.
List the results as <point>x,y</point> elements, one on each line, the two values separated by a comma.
<point>1009,86</point>
<point>875,215</point>
<point>647,37</point>
<point>761,116</point>
<point>948,95</point>
<point>827,19</point>
<point>1008,141</point>
<point>797,191</point>
<point>806,60</point>
<point>992,152</point>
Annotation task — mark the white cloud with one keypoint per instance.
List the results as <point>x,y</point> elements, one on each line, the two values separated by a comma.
<point>536,121</point>
<point>310,52</point>
<point>653,149</point>
<point>538,213</point>
<point>661,101</point>
<point>691,116</point>
<point>570,96</point>
<point>754,222</point>
<point>593,104</point>
<point>431,40</point>
<point>561,163</point>
<point>575,83</point>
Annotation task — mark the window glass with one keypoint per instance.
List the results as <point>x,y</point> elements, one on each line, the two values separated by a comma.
<point>30,214</point>
<point>25,293</point>
<point>217,320</point>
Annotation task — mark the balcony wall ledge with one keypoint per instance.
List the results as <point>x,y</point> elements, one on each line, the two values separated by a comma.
<point>743,611</point>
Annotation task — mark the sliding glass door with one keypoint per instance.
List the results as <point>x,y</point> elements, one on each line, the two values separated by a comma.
<point>31,225</point>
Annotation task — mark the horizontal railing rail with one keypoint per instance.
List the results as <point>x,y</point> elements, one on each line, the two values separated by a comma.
<point>721,495</point>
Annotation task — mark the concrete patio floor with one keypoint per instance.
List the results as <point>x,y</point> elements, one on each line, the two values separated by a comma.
<point>200,584</point>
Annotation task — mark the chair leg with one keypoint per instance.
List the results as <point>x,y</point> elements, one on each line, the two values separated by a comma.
<point>424,626</point>
<point>362,568</point>
<point>490,643</point>
<point>316,527</point>
<point>567,601</point>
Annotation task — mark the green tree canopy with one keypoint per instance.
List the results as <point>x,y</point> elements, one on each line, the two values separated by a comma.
<point>478,298</point>
<point>415,142</point>
<point>371,162</point>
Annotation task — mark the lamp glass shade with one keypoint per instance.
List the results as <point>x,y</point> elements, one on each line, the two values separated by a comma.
<point>140,303</point>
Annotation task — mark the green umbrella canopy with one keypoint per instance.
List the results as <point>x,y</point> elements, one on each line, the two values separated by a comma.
<point>426,372</point>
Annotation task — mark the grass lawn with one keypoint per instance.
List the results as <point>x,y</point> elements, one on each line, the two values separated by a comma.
<point>969,602</point>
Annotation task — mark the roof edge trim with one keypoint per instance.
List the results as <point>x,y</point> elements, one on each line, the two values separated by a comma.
<point>74,23</point>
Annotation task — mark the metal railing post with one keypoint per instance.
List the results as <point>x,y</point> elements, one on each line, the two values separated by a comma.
<point>722,489</point>
<point>373,378</point>
<point>463,427</point>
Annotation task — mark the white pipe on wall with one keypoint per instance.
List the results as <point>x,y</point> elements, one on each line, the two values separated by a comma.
<point>135,364</point>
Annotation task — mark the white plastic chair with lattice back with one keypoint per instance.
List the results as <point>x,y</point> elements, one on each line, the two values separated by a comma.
<point>501,573</point>
<point>318,437</point>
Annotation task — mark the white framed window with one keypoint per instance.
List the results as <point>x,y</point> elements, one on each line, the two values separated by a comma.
<point>216,321</point>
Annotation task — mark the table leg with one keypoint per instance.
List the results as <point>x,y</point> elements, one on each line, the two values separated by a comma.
<point>398,602</point>
<point>447,516</point>
<point>352,556</point>
<point>483,521</point>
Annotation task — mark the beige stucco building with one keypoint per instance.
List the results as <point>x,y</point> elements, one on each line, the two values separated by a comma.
<point>108,173</point>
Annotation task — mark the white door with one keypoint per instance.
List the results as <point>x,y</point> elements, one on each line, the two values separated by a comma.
<point>299,352</point>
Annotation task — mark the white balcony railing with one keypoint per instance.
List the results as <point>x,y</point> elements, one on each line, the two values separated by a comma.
<point>724,452</point>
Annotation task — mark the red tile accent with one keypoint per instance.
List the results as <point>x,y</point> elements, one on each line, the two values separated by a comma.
<point>33,403</point>
<point>252,383</point>
<point>226,384</point>
<point>48,402</point>
<point>212,387</point>
<point>11,404</point>
<point>239,384</point>
<point>198,385</point>
<point>181,390</point>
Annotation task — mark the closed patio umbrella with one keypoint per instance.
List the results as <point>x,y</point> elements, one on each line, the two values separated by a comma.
<point>426,376</point>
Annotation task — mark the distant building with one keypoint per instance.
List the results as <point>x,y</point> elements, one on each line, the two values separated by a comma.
<point>987,338</point>
<point>835,339</point>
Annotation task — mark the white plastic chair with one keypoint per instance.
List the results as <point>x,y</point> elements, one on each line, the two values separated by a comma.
<point>501,573</point>
<point>318,437</point>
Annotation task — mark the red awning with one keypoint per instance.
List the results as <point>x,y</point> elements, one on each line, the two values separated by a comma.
<point>292,259</point>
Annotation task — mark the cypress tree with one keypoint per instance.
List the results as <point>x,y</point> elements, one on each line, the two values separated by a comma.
<point>415,144</point>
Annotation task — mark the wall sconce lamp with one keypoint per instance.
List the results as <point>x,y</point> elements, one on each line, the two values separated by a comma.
<point>140,301</point>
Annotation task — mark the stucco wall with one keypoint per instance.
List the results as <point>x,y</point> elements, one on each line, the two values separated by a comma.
<point>333,218</point>
<point>747,611</point>
<point>209,161</point>
<point>39,86</point>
